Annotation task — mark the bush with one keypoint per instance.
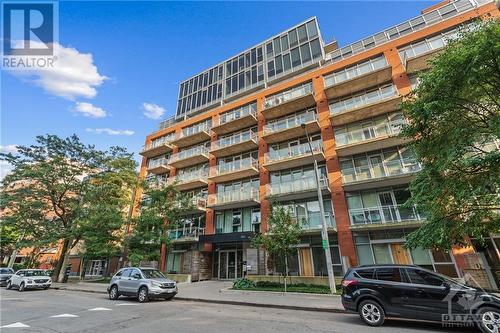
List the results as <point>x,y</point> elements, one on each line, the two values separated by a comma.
<point>269,284</point>
<point>243,284</point>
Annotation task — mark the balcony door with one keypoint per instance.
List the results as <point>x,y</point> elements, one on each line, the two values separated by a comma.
<point>389,209</point>
<point>377,168</point>
<point>293,148</point>
<point>400,255</point>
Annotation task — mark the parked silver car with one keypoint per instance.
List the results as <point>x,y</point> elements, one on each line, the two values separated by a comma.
<point>29,279</point>
<point>143,283</point>
<point>5,274</point>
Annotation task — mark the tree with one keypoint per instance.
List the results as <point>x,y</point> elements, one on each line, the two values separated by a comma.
<point>161,210</point>
<point>454,127</point>
<point>282,234</point>
<point>54,186</point>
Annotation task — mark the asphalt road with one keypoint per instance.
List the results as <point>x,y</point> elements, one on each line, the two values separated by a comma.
<point>85,312</point>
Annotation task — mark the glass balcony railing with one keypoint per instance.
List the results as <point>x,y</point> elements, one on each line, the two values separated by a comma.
<point>288,95</point>
<point>368,133</point>
<point>187,153</point>
<point>364,99</point>
<point>157,162</point>
<point>158,143</point>
<point>185,232</point>
<point>313,221</point>
<point>293,152</point>
<point>355,71</point>
<point>245,163</point>
<point>189,176</point>
<point>226,197</point>
<point>250,109</point>
<point>192,130</point>
<point>156,182</point>
<point>376,171</point>
<point>296,185</point>
<point>290,122</point>
<point>234,139</point>
<point>384,214</point>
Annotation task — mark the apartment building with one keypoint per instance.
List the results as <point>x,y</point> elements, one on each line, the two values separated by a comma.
<point>238,143</point>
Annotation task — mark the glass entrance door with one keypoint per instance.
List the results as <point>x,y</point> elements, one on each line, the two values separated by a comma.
<point>231,265</point>
<point>228,265</point>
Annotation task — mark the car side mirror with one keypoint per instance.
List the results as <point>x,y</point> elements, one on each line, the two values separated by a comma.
<point>446,286</point>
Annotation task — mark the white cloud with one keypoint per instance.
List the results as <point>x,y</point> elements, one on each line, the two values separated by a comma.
<point>73,75</point>
<point>110,131</point>
<point>8,149</point>
<point>153,111</point>
<point>5,169</point>
<point>89,110</point>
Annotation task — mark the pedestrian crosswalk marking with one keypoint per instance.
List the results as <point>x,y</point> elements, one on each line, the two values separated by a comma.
<point>15,325</point>
<point>100,309</point>
<point>64,315</point>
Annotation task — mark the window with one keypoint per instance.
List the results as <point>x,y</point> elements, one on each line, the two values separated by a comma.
<point>236,218</point>
<point>365,273</point>
<point>295,57</point>
<point>302,33</point>
<point>418,276</point>
<point>126,272</point>
<point>389,274</point>
<point>315,49</point>
<point>305,53</point>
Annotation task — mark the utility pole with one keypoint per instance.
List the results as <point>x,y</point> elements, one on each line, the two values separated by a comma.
<point>324,231</point>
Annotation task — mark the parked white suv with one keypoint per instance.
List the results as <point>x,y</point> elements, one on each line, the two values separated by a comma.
<point>29,279</point>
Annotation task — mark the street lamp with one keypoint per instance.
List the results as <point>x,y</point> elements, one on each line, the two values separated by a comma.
<point>324,231</point>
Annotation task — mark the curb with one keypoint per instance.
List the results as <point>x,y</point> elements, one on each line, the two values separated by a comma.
<point>201,300</point>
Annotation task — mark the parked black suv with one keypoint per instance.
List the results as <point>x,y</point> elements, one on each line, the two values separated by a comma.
<point>380,291</point>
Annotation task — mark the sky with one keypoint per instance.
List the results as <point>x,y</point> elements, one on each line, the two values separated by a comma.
<point>123,61</point>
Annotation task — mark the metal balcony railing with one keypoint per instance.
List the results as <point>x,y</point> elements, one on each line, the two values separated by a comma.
<point>288,95</point>
<point>245,163</point>
<point>167,123</point>
<point>293,152</point>
<point>296,185</point>
<point>235,139</point>
<point>226,197</point>
<point>355,71</point>
<point>385,214</point>
<point>250,109</point>
<point>185,232</point>
<point>290,122</point>
<point>187,153</point>
<point>367,98</point>
<point>382,170</point>
<point>192,130</point>
<point>368,133</point>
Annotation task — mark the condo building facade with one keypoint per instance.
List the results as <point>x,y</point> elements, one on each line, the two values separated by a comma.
<point>238,143</point>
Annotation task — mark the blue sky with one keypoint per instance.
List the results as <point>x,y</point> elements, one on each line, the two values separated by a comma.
<point>140,51</point>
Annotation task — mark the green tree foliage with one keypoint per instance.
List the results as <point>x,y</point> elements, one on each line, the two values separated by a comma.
<point>60,189</point>
<point>282,234</point>
<point>454,127</point>
<point>162,208</point>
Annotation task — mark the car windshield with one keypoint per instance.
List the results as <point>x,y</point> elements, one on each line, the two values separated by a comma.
<point>35,273</point>
<point>152,273</point>
<point>6,271</point>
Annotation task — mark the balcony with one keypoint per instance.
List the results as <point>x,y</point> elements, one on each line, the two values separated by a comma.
<point>156,148</point>
<point>236,120</point>
<point>360,77</point>
<point>294,156</point>
<point>416,57</point>
<point>236,170</point>
<point>370,104</point>
<point>379,175</point>
<point>297,189</point>
<point>244,197</point>
<point>235,144</point>
<point>289,101</point>
<point>368,139</point>
<point>192,135</point>
<point>187,234</point>
<point>314,224</point>
<point>199,205</point>
<point>189,157</point>
<point>158,166</point>
<point>290,127</point>
<point>420,62</point>
<point>189,181</point>
<point>385,217</point>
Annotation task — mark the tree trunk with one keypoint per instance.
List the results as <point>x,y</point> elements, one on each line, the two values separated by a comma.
<point>82,268</point>
<point>58,267</point>
<point>286,270</point>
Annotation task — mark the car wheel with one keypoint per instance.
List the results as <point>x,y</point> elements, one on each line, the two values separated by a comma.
<point>489,320</point>
<point>143,295</point>
<point>372,313</point>
<point>113,293</point>
<point>9,285</point>
<point>21,287</point>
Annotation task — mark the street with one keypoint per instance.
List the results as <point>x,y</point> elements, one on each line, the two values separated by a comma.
<point>70,311</point>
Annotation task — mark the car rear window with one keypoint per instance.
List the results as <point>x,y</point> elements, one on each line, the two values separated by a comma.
<point>389,274</point>
<point>365,273</point>
<point>6,271</point>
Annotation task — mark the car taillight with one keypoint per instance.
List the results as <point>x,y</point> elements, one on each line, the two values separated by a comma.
<point>347,283</point>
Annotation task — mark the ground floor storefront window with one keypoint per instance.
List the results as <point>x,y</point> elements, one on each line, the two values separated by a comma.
<point>387,247</point>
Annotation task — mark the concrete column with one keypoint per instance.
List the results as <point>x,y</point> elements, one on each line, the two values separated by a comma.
<point>264,174</point>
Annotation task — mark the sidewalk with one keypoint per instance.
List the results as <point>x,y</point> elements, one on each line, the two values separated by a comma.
<point>220,292</point>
